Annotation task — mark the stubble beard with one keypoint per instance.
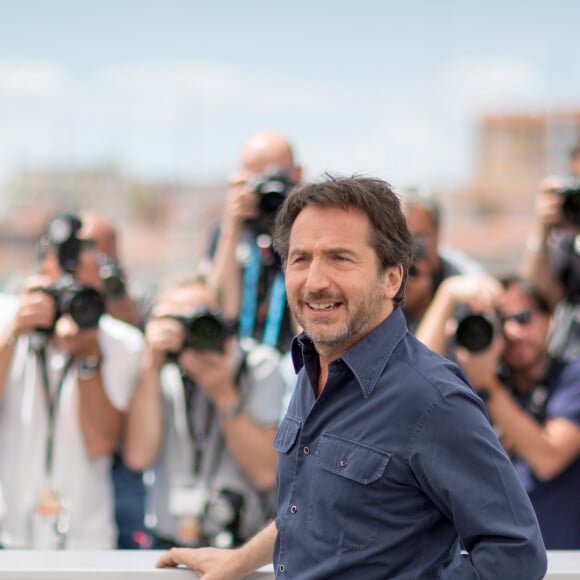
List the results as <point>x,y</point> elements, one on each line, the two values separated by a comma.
<point>329,338</point>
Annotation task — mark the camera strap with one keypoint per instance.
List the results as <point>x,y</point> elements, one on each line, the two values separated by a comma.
<point>200,430</point>
<point>52,400</point>
<point>250,295</point>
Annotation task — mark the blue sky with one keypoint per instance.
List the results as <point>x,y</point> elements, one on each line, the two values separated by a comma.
<point>170,88</point>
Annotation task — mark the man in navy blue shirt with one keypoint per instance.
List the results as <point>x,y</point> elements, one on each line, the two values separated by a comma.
<point>387,459</point>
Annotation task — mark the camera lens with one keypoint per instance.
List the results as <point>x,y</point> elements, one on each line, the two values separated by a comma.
<point>85,306</point>
<point>206,332</point>
<point>474,332</point>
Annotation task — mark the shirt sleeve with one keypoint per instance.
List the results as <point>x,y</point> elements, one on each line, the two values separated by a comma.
<point>461,466</point>
<point>565,400</point>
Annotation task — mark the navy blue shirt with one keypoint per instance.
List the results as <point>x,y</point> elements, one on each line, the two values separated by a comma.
<point>557,501</point>
<point>381,474</point>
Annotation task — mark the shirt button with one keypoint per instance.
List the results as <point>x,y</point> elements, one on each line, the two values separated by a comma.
<point>281,568</point>
<point>343,462</point>
<point>293,509</point>
<point>306,451</point>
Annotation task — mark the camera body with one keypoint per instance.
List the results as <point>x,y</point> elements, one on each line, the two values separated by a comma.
<point>205,330</point>
<point>112,276</point>
<point>475,332</point>
<point>83,303</point>
<point>272,189</point>
<point>222,519</point>
<point>570,209</point>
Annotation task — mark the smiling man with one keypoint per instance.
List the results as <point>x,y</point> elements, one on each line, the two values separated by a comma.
<point>386,458</point>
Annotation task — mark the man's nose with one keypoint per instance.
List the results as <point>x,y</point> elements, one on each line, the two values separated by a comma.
<point>318,275</point>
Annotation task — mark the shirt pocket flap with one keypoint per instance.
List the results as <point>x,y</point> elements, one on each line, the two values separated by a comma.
<point>287,434</point>
<point>351,459</point>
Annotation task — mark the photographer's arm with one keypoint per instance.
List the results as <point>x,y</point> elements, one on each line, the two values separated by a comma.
<point>535,263</point>
<point>216,564</point>
<point>548,449</point>
<point>35,309</point>
<point>7,345</point>
<point>249,443</point>
<point>144,430</point>
<point>101,423</point>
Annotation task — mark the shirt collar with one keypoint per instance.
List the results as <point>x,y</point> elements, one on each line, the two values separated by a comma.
<point>367,358</point>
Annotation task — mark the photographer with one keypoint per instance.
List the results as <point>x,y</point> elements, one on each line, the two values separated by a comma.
<point>67,370</point>
<point>552,256</point>
<point>245,271</point>
<point>204,415</point>
<point>533,398</point>
<point>433,262</point>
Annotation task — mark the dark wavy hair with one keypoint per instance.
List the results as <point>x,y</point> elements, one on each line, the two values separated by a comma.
<point>390,238</point>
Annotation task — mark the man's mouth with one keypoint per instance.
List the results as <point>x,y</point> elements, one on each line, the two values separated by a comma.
<point>323,306</point>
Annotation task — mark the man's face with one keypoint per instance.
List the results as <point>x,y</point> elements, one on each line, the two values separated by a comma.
<point>335,288</point>
<point>525,330</point>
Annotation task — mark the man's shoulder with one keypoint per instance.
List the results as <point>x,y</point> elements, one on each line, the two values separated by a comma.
<point>426,372</point>
<point>116,331</point>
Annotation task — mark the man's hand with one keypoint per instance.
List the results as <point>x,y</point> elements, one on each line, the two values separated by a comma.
<point>242,203</point>
<point>36,308</point>
<point>481,367</point>
<point>162,335</point>
<point>208,563</point>
<point>213,372</point>
<point>79,342</point>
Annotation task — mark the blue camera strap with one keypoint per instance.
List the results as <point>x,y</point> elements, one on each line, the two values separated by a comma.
<point>277,302</point>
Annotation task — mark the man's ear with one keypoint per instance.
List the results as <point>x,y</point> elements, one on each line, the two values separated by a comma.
<point>393,280</point>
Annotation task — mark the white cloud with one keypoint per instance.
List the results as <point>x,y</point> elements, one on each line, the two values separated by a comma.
<point>472,87</point>
<point>158,93</point>
<point>31,79</point>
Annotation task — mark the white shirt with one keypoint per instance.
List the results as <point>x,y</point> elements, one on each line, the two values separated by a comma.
<point>82,481</point>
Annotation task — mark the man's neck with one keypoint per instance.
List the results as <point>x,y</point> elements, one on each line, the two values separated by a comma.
<point>525,379</point>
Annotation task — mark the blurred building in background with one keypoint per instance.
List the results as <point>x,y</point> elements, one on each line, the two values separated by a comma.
<point>165,226</point>
<point>490,218</point>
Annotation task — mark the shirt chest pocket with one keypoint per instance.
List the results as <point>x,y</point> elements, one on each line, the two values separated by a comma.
<point>347,492</point>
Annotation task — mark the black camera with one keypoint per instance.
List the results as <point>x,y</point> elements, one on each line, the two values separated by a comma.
<point>112,276</point>
<point>222,519</point>
<point>272,189</point>
<point>61,234</point>
<point>571,202</point>
<point>475,332</point>
<point>83,303</point>
<point>205,329</point>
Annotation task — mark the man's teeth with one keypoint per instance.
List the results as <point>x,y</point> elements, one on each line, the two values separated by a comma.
<point>322,306</point>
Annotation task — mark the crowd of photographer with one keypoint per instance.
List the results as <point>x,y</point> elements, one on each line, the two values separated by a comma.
<point>126,423</point>
<point>518,343</point>
<point>101,392</point>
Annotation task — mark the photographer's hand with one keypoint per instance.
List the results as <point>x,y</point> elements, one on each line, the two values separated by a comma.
<point>481,367</point>
<point>214,374</point>
<point>250,444</point>
<point>162,335</point>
